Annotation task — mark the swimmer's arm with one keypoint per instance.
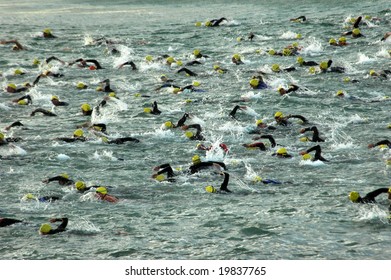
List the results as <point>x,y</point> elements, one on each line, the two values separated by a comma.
<point>224,185</point>
<point>270,138</point>
<point>383,142</point>
<point>357,22</point>
<point>182,121</point>
<point>54,58</point>
<point>298,117</point>
<point>187,71</point>
<point>62,226</point>
<point>94,61</point>
<point>222,164</point>
<point>375,193</point>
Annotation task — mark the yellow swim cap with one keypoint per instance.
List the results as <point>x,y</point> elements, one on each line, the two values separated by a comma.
<point>389,190</point>
<point>196,83</point>
<point>257,179</point>
<point>342,40</point>
<point>278,114</point>
<point>196,52</point>
<point>45,228</point>
<point>86,107</point>
<point>78,133</point>
<point>298,36</point>
<point>196,159</point>
<point>101,190</point>
<point>236,56</point>
<point>208,23</point>
<point>306,157</point>
<point>160,177</point>
<point>210,189</point>
<point>258,122</point>
<point>112,94</point>
<point>54,97</point>
<point>64,175</point>
<point>13,86</point>
<point>1,136</point>
<point>179,62</point>
<point>22,102</point>
<point>80,185</point>
<point>147,110</point>
<point>189,134</point>
<point>332,41</point>
<point>340,92</point>
<point>276,68</point>
<point>324,65</point>
<point>354,196</point>
<point>271,52</point>
<point>36,61</point>
<point>254,82</point>
<point>356,31</point>
<point>286,52</point>
<point>312,70</point>
<point>304,139</point>
<point>80,85</point>
<point>149,58</point>
<point>18,72</point>
<point>300,60</point>
<point>295,44</point>
<point>346,79</point>
<point>198,24</point>
<point>168,124</point>
<point>170,60</point>
<point>239,39</point>
<point>372,72</point>
<point>282,151</point>
<point>215,67</point>
<point>29,196</point>
<point>47,31</point>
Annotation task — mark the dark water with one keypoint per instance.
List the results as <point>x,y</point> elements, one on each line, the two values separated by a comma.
<point>307,217</point>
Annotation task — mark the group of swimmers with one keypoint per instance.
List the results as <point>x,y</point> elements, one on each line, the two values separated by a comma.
<point>164,172</point>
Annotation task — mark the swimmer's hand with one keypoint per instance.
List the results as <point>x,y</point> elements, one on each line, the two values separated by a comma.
<point>370,146</point>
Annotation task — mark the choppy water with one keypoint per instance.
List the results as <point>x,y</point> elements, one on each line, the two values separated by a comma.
<point>308,218</point>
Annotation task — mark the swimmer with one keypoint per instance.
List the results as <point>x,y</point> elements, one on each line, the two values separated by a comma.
<point>197,54</point>
<point>317,155</point>
<point>78,135</point>
<point>326,67</point>
<point>202,147</point>
<point>131,63</point>
<point>190,135</point>
<point>282,153</point>
<point>86,109</point>
<point>369,197</point>
<point>14,124</point>
<point>187,71</point>
<point>388,34</point>
<point>106,86</point>
<point>380,143</point>
<point>301,62</point>
<point>6,140</point>
<point>283,120</point>
<point>299,19</point>
<point>257,82</point>
<point>83,63</point>
<point>291,88</point>
<point>46,229</point>
<point>215,22</point>
<point>260,127</point>
<point>120,140</point>
<point>180,123</point>
<point>46,198</point>
<point>47,33</point>
<point>43,111</point>
<point>236,59</point>
<point>315,135</point>
<point>277,69</point>
<point>383,74</point>
<point>4,222</point>
<point>12,88</point>
<point>223,186</point>
<point>57,102</point>
<point>154,110</point>
<point>261,145</point>
<point>251,36</point>
<point>24,100</point>
<point>232,114</point>
<point>101,194</point>
<point>219,70</point>
<point>63,180</point>
<point>199,165</point>
<point>81,187</point>
<point>16,47</point>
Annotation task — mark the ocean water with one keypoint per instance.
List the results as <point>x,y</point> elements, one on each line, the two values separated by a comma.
<point>308,216</point>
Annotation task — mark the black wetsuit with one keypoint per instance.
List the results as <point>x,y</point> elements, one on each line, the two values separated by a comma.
<point>197,135</point>
<point>205,165</point>
<point>43,111</point>
<point>284,121</point>
<point>261,145</point>
<point>61,227</point>
<point>8,221</point>
<point>370,197</point>
<point>315,135</point>
<point>61,180</point>
<point>318,152</point>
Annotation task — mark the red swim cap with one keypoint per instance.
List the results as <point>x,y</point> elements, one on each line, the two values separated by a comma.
<point>92,67</point>
<point>224,147</point>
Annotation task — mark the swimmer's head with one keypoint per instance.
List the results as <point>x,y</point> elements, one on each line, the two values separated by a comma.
<point>210,189</point>
<point>340,93</point>
<point>147,110</point>
<point>304,139</point>
<point>312,70</point>
<point>18,72</point>
<point>54,97</point>
<point>208,24</point>
<point>271,52</point>
<point>28,197</point>
<point>81,85</point>
<point>356,31</point>
<point>196,83</point>
<point>2,136</point>
<point>112,94</point>
<point>45,229</point>
<point>196,159</point>
<point>168,124</point>
<point>22,102</point>
<point>254,82</point>
<point>160,177</point>
<point>85,107</point>
<point>258,122</point>
<point>298,36</point>
<point>92,67</point>
<point>324,65</point>
<point>342,40</point>
<point>286,52</point>
<point>189,134</point>
<point>236,56</point>
<point>282,152</point>
<point>11,87</point>
<point>278,115</point>
<point>372,72</point>
<point>80,185</point>
<point>354,196</point>
<point>276,68</point>
<point>170,60</point>
<point>306,157</point>
<point>332,41</point>
<point>78,133</point>
<point>198,24</point>
<point>47,32</point>
<point>196,52</point>
<point>101,190</point>
<point>64,175</point>
<point>36,61</point>
<point>149,58</point>
<point>300,60</point>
